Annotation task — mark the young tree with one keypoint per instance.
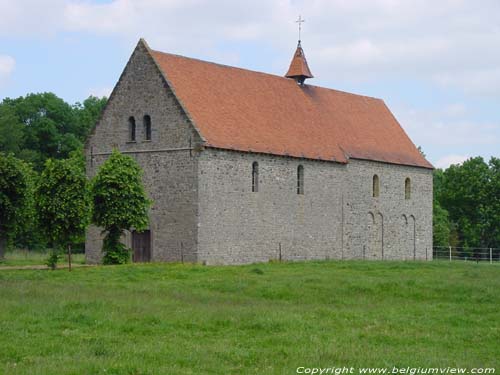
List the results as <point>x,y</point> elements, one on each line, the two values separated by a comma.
<point>119,204</point>
<point>15,187</point>
<point>63,202</point>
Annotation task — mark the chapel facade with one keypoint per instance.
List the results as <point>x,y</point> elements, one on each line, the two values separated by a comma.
<point>245,167</point>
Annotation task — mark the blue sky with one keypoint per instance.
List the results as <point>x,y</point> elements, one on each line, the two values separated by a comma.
<point>436,64</point>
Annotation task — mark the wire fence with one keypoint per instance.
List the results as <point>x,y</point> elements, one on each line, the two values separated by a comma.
<point>472,254</point>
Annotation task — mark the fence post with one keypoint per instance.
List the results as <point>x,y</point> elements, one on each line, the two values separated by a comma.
<point>491,256</point>
<point>426,254</point>
<point>280,257</point>
<point>450,252</point>
<point>182,252</point>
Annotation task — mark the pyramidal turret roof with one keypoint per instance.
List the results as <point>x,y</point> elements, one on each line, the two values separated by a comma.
<point>299,70</point>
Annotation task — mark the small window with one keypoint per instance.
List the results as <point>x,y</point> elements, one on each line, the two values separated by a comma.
<point>376,186</point>
<point>300,179</point>
<point>147,127</point>
<point>407,188</point>
<point>255,177</point>
<point>131,129</point>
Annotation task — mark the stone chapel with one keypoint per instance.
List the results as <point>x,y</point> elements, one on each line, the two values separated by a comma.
<point>244,166</point>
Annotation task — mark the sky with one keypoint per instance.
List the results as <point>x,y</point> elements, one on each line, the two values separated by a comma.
<point>436,64</point>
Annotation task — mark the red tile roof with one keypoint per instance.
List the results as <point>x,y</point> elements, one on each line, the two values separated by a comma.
<point>249,111</point>
<point>298,66</point>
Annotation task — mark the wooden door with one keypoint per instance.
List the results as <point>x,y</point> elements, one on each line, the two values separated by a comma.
<point>141,246</point>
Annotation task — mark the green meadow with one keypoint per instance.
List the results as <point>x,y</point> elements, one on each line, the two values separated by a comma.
<point>254,319</point>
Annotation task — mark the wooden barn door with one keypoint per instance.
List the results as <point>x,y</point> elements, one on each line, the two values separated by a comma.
<point>141,245</point>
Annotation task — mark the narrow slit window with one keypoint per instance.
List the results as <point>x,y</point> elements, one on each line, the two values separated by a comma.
<point>407,188</point>
<point>147,128</point>
<point>300,180</point>
<point>131,129</point>
<point>376,186</point>
<point>255,177</point>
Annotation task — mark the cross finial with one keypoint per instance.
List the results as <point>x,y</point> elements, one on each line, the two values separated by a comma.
<point>300,21</point>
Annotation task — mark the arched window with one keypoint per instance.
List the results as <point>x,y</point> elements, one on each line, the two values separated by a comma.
<point>407,188</point>
<point>147,127</point>
<point>131,129</point>
<point>376,186</point>
<point>255,177</point>
<point>300,179</point>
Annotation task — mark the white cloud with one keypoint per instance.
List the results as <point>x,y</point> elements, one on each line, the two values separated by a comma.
<point>448,160</point>
<point>31,17</point>
<point>100,91</point>
<point>454,110</point>
<point>444,128</point>
<point>449,42</point>
<point>7,65</point>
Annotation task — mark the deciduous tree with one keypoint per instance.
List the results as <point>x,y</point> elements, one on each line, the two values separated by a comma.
<point>15,188</point>
<point>63,203</point>
<point>119,204</point>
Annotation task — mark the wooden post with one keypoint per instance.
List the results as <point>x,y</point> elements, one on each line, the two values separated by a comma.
<point>491,255</point>
<point>450,252</point>
<point>69,257</point>
<point>182,252</point>
<point>280,257</point>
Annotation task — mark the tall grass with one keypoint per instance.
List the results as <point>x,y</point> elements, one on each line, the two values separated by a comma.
<point>256,319</point>
<point>19,257</point>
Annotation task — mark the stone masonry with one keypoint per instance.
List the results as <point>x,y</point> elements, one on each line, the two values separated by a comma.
<point>205,211</point>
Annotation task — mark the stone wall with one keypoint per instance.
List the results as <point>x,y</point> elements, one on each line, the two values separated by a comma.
<point>204,208</point>
<point>168,162</point>
<point>330,221</point>
<point>382,227</point>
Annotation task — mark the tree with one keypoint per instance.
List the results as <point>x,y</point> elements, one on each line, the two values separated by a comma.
<point>63,202</point>
<point>471,194</point>
<point>87,114</point>
<point>42,126</point>
<point>492,211</point>
<point>440,226</point>
<point>119,204</point>
<point>15,187</point>
<point>11,131</point>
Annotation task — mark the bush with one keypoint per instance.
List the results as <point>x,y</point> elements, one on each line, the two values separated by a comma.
<point>115,252</point>
<point>52,260</point>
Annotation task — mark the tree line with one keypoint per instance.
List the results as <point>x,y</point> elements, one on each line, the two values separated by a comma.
<point>47,201</point>
<point>467,205</point>
<point>45,196</point>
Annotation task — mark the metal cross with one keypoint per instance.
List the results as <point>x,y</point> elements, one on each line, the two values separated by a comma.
<point>300,21</point>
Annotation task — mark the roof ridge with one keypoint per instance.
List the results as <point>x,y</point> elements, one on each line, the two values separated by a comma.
<point>264,73</point>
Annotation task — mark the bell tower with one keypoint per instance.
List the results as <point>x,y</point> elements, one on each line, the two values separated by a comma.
<point>299,70</point>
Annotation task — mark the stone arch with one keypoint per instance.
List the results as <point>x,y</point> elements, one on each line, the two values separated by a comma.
<point>300,179</point>
<point>131,129</point>
<point>147,127</point>
<point>404,237</point>
<point>370,237</point>
<point>375,186</point>
<point>374,248</point>
<point>412,236</point>
<point>380,236</point>
<point>404,219</point>
<point>407,188</point>
<point>255,177</point>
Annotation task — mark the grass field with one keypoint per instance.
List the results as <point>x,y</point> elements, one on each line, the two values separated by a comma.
<point>256,319</point>
<point>29,258</point>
